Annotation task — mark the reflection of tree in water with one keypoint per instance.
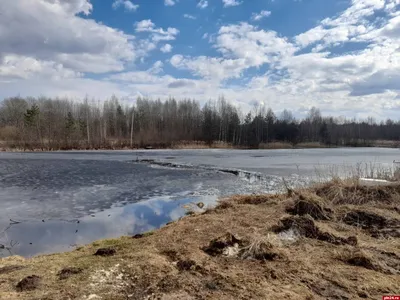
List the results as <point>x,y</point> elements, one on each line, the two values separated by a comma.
<point>6,245</point>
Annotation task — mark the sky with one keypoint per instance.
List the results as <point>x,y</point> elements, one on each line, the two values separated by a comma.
<point>342,56</point>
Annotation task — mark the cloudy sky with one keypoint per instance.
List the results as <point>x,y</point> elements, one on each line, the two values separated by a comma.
<point>342,56</point>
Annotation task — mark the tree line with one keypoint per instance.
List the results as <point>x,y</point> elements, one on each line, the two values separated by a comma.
<point>50,124</point>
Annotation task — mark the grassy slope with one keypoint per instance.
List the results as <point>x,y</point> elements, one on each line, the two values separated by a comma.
<point>171,264</point>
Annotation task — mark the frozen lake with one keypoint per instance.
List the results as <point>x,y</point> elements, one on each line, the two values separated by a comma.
<point>59,200</point>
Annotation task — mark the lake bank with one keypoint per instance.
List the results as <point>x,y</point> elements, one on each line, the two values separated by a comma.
<point>5,147</point>
<point>265,246</point>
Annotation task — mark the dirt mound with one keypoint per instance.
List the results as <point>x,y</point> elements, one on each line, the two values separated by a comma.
<point>28,283</point>
<point>105,252</point>
<point>312,205</point>
<point>365,220</point>
<point>185,265</point>
<point>378,226</point>
<point>68,272</point>
<point>223,244</point>
<point>305,226</point>
<point>261,249</point>
<point>360,259</point>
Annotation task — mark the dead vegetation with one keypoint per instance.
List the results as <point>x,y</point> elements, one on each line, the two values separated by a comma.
<point>29,283</point>
<point>333,241</point>
<point>357,257</point>
<point>339,192</point>
<point>68,272</point>
<point>311,204</point>
<point>305,226</point>
<point>105,252</point>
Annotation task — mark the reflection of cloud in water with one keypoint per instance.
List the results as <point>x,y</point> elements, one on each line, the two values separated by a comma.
<point>73,185</point>
<point>55,236</point>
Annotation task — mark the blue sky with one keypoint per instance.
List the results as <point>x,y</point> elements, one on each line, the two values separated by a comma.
<point>342,56</point>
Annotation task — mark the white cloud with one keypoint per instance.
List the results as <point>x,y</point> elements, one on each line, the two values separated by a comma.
<point>378,83</point>
<point>166,48</point>
<point>229,3</point>
<point>22,67</point>
<point>187,16</point>
<point>256,46</point>
<point>145,25</point>
<point>62,37</point>
<point>72,6</point>
<point>157,67</point>
<point>169,2</point>
<point>128,5</point>
<point>202,4</point>
<point>211,68</point>
<point>368,71</point>
<point>262,14</point>
<point>158,34</point>
<point>351,25</point>
<point>243,46</point>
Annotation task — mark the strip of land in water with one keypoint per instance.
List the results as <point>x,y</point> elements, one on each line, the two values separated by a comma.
<point>338,240</point>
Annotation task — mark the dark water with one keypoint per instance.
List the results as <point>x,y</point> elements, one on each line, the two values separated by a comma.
<point>59,200</point>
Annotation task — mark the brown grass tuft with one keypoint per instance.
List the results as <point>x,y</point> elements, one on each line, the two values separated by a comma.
<point>311,204</point>
<point>344,192</point>
<point>263,248</point>
<point>359,258</point>
<point>68,272</point>
<point>219,245</point>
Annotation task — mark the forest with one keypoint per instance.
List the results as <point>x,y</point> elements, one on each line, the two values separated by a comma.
<point>62,124</point>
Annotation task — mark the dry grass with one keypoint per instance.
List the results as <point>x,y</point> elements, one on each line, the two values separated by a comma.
<point>350,192</point>
<point>307,203</point>
<point>310,145</point>
<point>201,145</point>
<point>386,144</point>
<point>275,145</point>
<point>263,253</point>
<point>263,248</point>
<point>286,145</point>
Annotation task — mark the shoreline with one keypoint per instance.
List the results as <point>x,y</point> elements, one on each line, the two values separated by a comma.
<point>272,146</point>
<point>255,246</point>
